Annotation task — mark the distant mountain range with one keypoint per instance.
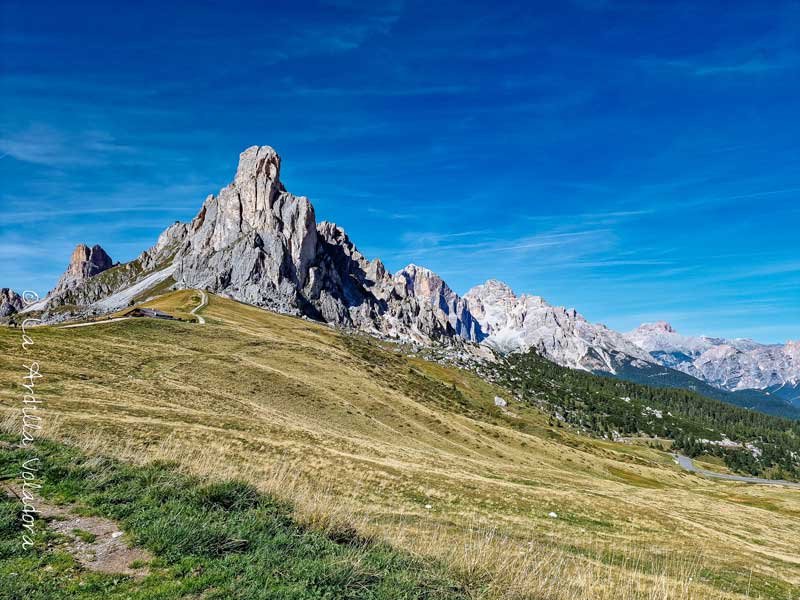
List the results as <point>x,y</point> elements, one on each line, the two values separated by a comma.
<point>735,365</point>
<point>257,243</point>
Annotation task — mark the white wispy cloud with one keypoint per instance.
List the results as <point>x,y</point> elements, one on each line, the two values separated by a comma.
<point>391,215</point>
<point>623,263</point>
<point>10,251</point>
<point>357,24</point>
<point>607,217</point>
<point>34,216</point>
<point>769,55</point>
<point>560,247</point>
<point>45,145</point>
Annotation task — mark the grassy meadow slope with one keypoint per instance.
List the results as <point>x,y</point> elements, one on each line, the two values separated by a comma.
<point>355,433</point>
<point>211,540</point>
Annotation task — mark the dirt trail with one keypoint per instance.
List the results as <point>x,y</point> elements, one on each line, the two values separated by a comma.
<point>100,322</point>
<point>203,302</point>
<point>97,543</point>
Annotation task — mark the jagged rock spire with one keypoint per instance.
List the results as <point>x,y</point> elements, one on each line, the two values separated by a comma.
<point>84,263</point>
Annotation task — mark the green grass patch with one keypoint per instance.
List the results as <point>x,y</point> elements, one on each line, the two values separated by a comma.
<point>211,540</point>
<point>635,479</point>
<point>85,536</point>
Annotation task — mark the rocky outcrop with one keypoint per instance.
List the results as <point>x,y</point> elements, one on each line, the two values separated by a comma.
<point>518,323</point>
<point>10,302</point>
<point>84,281</point>
<point>433,305</point>
<point>253,241</point>
<point>84,263</point>
<point>257,243</point>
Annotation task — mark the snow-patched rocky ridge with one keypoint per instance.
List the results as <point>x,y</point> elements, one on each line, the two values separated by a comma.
<point>518,323</point>
<point>736,364</point>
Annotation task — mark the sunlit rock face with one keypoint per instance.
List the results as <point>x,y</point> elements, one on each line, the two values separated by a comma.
<point>84,263</point>
<point>514,323</point>
<point>10,302</point>
<point>736,364</point>
<point>258,243</point>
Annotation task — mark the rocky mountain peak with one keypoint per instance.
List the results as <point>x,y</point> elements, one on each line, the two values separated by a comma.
<point>422,282</point>
<point>662,326</point>
<point>332,232</point>
<point>661,337</point>
<point>492,287</point>
<point>496,284</point>
<point>421,292</point>
<point>87,262</point>
<point>416,270</point>
<point>257,180</point>
<point>730,364</point>
<point>259,244</point>
<point>253,230</point>
<point>10,302</point>
<point>515,323</point>
<point>84,263</point>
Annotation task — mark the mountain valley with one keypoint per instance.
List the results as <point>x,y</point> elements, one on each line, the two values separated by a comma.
<point>392,441</point>
<point>257,243</point>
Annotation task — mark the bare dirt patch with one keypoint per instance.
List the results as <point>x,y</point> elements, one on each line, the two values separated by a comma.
<point>97,543</point>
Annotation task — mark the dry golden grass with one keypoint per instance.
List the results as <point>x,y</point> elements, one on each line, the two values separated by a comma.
<point>359,436</point>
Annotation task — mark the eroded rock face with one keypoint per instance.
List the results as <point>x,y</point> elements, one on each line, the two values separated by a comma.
<point>254,241</point>
<point>84,263</point>
<point>518,323</point>
<point>434,304</point>
<point>10,302</point>
<point>257,243</point>
<point>736,364</point>
<point>80,284</point>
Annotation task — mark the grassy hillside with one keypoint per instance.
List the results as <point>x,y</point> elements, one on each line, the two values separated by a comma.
<point>609,407</point>
<point>357,434</point>
<point>221,540</point>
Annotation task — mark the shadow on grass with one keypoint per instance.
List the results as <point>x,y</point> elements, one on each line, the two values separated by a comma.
<point>211,540</point>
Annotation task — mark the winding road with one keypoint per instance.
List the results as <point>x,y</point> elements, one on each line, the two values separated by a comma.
<point>686,463</point>
<point>200,320</point>
<point>203,302</point>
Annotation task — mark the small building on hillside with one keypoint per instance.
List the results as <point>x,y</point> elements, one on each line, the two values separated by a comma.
<point>149,312</point>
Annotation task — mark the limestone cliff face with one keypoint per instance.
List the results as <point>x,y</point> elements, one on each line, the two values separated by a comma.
<point>257,243</point>
<point>84,263</point>
<point>10,302</point>
<point>254,241</point>
<point>518,323</point>
<point>80,283</point>
<point>434,306</point>
<point>413,304</point>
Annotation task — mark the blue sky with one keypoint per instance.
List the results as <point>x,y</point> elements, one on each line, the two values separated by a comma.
<point>635,160</point>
